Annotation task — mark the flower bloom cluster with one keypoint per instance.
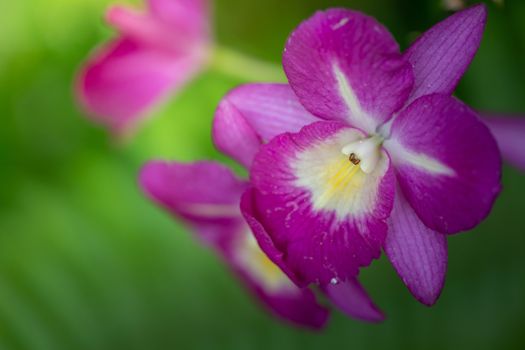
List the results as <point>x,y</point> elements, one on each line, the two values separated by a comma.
<point>364,150</point>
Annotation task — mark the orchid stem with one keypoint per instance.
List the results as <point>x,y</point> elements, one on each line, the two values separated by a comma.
<point>244,67</point>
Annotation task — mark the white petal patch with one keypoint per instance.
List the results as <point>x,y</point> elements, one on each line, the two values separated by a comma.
<point>356,115</point>
<point>341,23</point>
<point>335,183</point>
<point>421,161</point>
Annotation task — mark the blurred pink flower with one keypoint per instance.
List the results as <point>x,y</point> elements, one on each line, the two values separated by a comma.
<point>206,196</point>
<point>155,54</point>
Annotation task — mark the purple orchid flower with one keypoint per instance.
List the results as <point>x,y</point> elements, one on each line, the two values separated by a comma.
<point>206,196</point>
<point>365,150</point>
<point>156,53</point>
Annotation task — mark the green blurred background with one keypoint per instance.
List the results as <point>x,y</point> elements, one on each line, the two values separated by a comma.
<point>86,262</point>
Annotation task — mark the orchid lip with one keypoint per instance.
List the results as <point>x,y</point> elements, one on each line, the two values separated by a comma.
<point>364,153</point>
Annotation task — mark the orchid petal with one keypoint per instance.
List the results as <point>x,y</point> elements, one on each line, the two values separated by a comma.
<point>264,240</point>
<point>156,53</point>
<point>447,162</point>
<point>442,54</point>
<point>233,135</point>
<point>418,253</point>
<point>349,296</point>
<point>204,194</point>
<point>346,66</point>
<point>207,195</point>
<point>324,216</point>
<point>301,307</point>
<point>273,287</point>
<point>149,31</point>
<point>125,78</point>
<point>352,299</point>
<point>252,114</point>
<point>510,135</point>
<point>129,21</point>
<point>190,17</point>
<point>136,25</point>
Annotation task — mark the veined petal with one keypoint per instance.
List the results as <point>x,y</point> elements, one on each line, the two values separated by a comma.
<point>443,53</point>
<point>233,135</point>
<point>271,109</point>
<point>418,253</point>
<point>252,114</point>
<point>346,66</point>
<point>322,212</point>
<point>352,299</point>
<point>510,135</point>
<point>204,194</point>
<point>272,287</point>
<point>447,162</point>
<point>123,79</point>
